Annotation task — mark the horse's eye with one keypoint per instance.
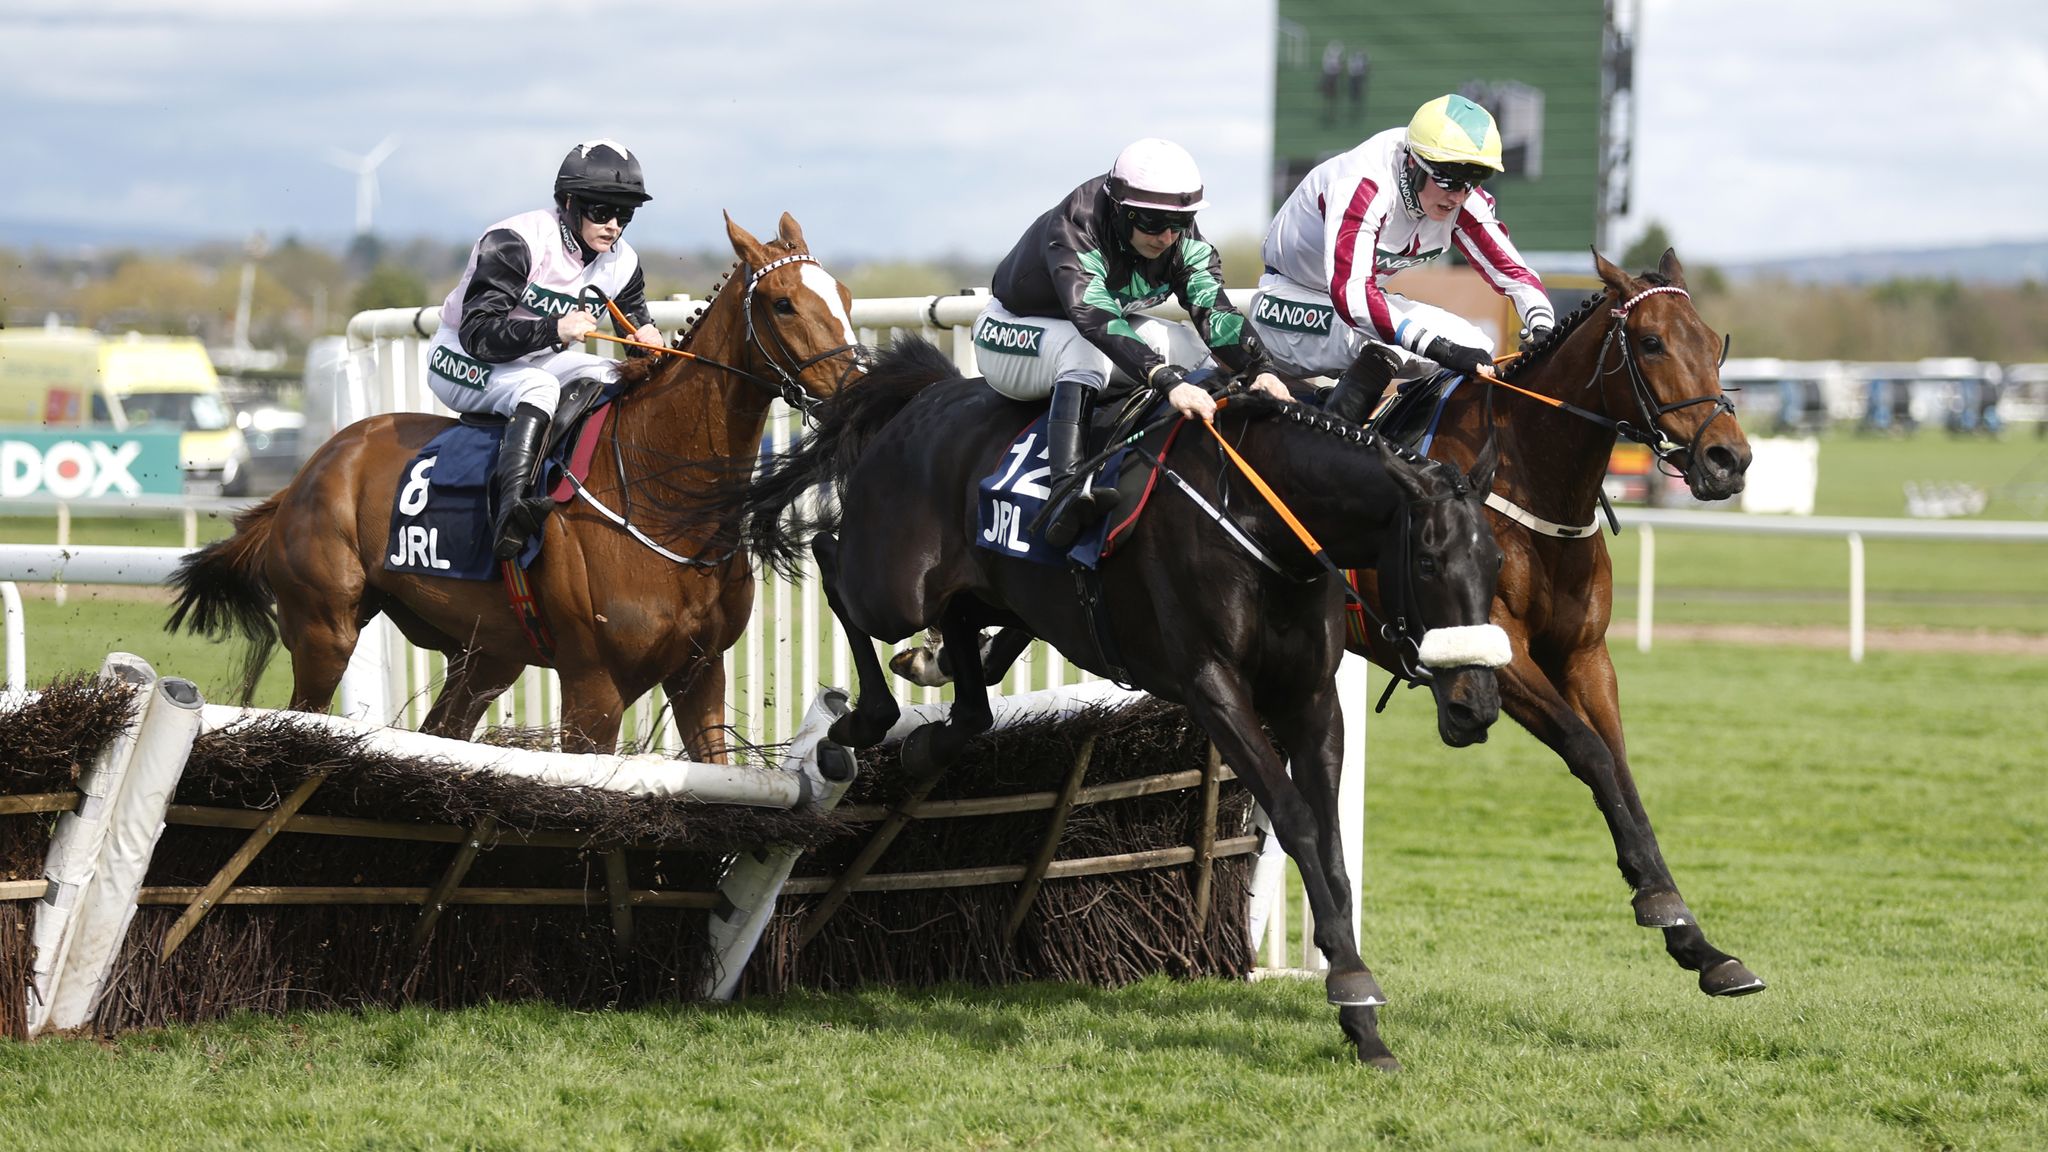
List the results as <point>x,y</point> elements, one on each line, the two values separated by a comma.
<point>1426,566</point>
<point>1652,345</point>
<point>783,307</point>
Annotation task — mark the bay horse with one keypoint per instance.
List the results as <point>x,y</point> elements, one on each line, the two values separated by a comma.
<point>306,566</point>
<point>1636,361</point>
<point>1219,610</point>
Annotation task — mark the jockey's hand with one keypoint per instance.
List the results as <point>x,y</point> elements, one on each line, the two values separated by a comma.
<point>1192,401</point>
<point>1271,386</point>
<point>649,334</point>
<point>1459,358</point>
<point>575,325</point>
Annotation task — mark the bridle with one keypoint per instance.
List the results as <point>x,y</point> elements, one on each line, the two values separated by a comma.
<point>1403,626</point>
<point>1643,429</point>
<point>788,370</point>
<point>1648,433</point>
<point>787,384</point>
<point>787,380</point>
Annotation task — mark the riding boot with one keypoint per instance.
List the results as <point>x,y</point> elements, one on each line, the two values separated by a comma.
<point>519,515</point>
<point>1359,389</point>
<point>1072,401</point>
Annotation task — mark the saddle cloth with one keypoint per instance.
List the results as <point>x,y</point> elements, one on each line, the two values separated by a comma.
<point>1013,496</point>
<point>441,517</point>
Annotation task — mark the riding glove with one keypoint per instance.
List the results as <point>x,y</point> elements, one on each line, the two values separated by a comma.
<point>1456,357</point>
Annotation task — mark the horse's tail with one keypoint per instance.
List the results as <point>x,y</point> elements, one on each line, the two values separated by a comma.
<point>221,591</point>
<point>779,525</point>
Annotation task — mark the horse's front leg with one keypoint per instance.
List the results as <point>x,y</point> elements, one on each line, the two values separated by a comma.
<point>1311,728</point>
<point>474,680</point>
<point>696,697</point>
<point>875,712</point>
<point>1219,701</point>
<point>592,710</point>
<point>932,748</point>
<point>1585,731</point>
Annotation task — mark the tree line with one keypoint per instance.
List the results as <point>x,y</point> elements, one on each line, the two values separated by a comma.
<point>303,290</point>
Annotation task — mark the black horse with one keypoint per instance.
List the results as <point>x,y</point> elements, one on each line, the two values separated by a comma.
<point>1191,611</point>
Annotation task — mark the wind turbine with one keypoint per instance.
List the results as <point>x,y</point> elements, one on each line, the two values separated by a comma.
<point>365,168</point>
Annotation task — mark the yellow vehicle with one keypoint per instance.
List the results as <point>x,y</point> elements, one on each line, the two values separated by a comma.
<point>69,377</point>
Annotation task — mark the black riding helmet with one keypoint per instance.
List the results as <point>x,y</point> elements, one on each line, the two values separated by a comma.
<point>601,171</point>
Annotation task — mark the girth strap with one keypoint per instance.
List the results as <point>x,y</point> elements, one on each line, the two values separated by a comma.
<point>1535,523</point>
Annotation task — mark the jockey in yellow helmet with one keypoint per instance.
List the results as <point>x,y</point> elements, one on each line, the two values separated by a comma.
<point>1400,199</point>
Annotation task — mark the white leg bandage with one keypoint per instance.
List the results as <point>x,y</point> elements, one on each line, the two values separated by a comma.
<point>1483,644</point>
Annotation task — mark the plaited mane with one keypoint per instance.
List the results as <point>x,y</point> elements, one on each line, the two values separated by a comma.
<point>1535,352</point>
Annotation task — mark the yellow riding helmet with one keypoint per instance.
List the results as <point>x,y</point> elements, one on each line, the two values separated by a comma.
<point>1454,130</point>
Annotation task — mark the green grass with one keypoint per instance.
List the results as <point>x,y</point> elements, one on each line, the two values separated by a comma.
<point>1869,838</point>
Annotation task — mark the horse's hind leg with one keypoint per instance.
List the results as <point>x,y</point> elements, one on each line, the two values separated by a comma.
<point>321,635</point>
<point>1586,733</point>
<point>876,710</point>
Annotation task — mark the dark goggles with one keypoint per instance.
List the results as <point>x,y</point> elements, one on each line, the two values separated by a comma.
<point>1153,221</point>
<point>597,212</point>
<point>1454,177</point>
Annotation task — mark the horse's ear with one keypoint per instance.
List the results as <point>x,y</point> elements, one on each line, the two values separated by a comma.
<point>1407,476</point>
<point>1613,277</point>
<point>744,245</point>
<point>791,232</point>
<point>1668,268</point>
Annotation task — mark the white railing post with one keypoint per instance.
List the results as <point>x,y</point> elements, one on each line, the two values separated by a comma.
<point>17,639</point>
<point>1646,586</point>
<point>1856,597</point>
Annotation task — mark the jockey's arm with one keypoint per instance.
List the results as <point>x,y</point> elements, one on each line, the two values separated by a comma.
<point>1091,308</point>
<point>489,330</point>
<point>632,300</point>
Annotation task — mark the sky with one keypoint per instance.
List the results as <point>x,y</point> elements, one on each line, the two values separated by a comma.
<point>899,130</point>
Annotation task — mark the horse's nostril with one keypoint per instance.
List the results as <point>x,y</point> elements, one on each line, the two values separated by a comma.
<point>1723,460</point>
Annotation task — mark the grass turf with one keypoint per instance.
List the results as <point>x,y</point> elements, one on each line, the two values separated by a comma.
<point>1868,837</point>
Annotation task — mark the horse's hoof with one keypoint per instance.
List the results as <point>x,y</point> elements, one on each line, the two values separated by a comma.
<point>1384,1061</point>
<point>1356,989</point>
<point>857,730</point>
<point>1662,910</point>
<point>919,666</point>
<point>920,754</point>
<point>1730,978</point>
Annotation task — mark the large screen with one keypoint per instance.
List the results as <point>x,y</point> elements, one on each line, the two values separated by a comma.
<point>1347,69</point>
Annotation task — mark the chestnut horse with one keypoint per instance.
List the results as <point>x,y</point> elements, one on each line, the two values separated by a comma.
<point>1635,361</point>
<point>307,564</point>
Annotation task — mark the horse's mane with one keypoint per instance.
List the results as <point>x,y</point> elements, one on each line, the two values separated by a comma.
<point>1258,405</point>
<point>1534,353</point>
<point>778,527</point>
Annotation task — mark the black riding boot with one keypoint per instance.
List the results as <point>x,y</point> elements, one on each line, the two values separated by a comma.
<point>1359,389</point>
<point>1072,400</point>
<point>519,515</point>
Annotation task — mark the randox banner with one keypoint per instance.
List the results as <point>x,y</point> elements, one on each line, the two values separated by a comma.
<point>85,464</point>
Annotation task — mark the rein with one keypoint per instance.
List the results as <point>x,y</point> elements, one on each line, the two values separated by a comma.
<point>1396,631</point>
<point>789,387</point>
<point>1647,432</point>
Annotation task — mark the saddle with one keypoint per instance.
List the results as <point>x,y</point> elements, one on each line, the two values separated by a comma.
<point>1410,418</point>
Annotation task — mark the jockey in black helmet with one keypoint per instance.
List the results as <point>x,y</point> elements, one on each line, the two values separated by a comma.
<point>512,330</point>
<point>1066,313</point>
